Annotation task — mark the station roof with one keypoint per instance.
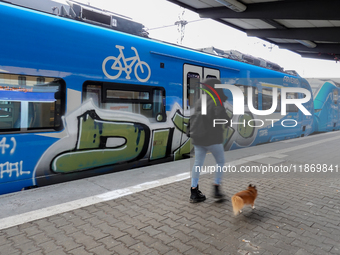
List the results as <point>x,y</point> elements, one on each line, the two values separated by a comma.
<point>310,28</point>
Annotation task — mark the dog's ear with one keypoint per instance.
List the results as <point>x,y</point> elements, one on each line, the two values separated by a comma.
<point>249,186</point>
<point>254,187</point>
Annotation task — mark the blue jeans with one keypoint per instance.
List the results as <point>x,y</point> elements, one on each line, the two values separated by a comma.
<point>200,153</point>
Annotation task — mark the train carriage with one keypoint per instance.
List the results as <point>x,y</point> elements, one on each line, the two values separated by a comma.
<point>78,100</point>
<point>326,108</point>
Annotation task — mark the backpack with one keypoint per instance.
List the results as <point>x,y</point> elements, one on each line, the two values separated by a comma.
<point>195,127</point>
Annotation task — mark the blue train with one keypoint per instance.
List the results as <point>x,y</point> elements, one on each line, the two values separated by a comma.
<point>326,108</point>
<point>78,100</point>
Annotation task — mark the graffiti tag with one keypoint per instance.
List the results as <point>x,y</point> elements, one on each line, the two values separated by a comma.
<point>10,168</point>
<point>4,145</point>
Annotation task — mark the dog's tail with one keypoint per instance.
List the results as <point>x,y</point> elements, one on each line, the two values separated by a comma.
<point>237,204</point>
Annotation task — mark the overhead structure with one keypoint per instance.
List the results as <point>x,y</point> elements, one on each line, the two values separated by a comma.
<point>310,28</point>
<point>85,13</point>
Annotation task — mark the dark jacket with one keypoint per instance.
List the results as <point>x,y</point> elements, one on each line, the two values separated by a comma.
<point>213,135</point>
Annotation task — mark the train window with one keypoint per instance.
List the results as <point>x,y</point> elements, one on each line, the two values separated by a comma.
<point>255,95</point>
<point>278,107</point>
<point>133,95</point>
<point>140,99</point>
<point>21,80</point>
<point>267,99</point>
<point>255,92</point>
<point>40,80</point>
<point>94,92</point>
<point>335,96</point>
<point>244,91</point>
<point>292,107</point>
<point>193,85</point>
<point>26,104</point>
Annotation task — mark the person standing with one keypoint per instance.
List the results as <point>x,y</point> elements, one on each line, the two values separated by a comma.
<point>205,137</point>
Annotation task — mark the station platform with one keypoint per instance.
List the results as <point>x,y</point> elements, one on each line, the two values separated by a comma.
<point>147,210</point>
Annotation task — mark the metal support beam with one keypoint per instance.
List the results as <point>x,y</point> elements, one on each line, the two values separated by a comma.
<point>331,34</point>
<point>186,6</point>
<point>320,47</point>
<point>274,23</point>
<point>303,10</point>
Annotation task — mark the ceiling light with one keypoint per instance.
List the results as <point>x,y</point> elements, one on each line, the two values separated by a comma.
<point>307,43</point>
<point>233,5</point>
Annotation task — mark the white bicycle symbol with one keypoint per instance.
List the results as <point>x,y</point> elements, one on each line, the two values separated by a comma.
<point>117,65</point>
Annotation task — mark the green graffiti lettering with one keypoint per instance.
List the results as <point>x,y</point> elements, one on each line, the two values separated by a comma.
<point>243,128</point>
<point>93,149</point>
<point>159,144</point>
<point>180,122</point>
<point>184,149</point>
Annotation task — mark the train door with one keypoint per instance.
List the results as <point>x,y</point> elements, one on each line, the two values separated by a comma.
<point>192,76</point>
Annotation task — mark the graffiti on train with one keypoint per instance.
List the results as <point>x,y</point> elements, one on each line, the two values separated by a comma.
<point>7,146</point>
<point>101,142</point>
<point>10,169</point>
<point>97,138</point>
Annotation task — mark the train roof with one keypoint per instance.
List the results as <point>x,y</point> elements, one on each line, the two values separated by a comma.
<point>246,58</point>
<point>86,13</point>
<point>99,17</point>
<point>159,47</point>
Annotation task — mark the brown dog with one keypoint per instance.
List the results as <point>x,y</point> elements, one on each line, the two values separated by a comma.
<point>245,197</point>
